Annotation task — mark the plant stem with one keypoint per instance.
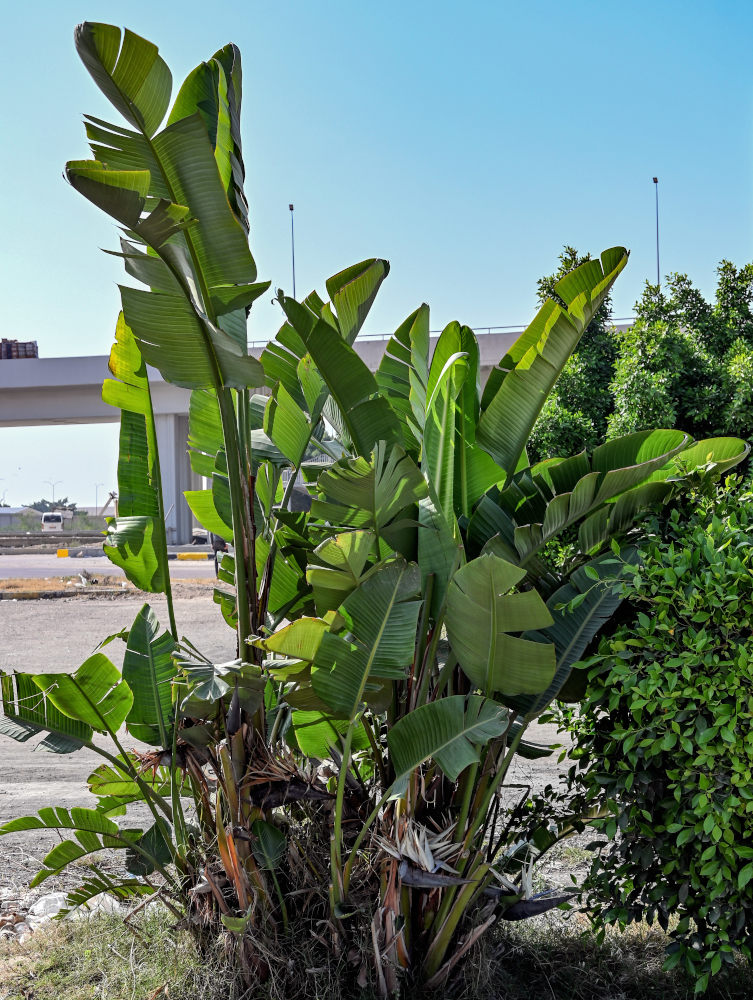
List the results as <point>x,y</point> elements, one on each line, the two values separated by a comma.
<point>468,785</point>
<point>336,842</point>
<point>240,532</point>
<point>371,737</point>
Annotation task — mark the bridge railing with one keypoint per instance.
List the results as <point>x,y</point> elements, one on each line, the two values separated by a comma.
<point>621,322</point>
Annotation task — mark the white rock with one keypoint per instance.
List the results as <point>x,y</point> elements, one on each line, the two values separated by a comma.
<point>22,931</point>
<point>49,905</point>
<point>36,922</point>
<point>97,905</point>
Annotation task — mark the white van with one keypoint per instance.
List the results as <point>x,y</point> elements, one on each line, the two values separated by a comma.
<point>52,521</point>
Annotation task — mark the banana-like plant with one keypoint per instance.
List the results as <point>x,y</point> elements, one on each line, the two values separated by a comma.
<point>396,638</point>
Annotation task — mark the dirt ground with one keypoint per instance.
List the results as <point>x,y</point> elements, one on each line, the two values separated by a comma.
<point>52,635</point>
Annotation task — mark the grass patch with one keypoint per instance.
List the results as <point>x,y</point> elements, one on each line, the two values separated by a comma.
<point>100,957</point>
<point>546,958</point>
<point>554,959</point>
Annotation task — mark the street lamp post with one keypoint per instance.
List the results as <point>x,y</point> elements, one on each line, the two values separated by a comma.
<point>52,484</point>
<point>656,190</point>
<point>292,244</point>
<point>96,494</point>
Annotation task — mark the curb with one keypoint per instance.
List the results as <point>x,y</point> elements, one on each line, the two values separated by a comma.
<point>193,556</point>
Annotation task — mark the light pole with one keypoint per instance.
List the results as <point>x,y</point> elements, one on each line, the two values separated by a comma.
<point>53,485</point>
<point>656,190</point>
<point>96,494</point>
<point>292,244</point>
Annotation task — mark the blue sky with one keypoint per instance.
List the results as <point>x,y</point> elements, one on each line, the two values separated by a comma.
<point>465,143</point>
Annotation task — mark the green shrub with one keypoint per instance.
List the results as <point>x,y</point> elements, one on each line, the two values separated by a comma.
<point>687,362</point>
<point>664,741</point>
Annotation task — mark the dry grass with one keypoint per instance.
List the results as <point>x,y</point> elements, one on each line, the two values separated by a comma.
<point>44,585</point>
<point>546,959</point>
<point>549,958</point>
<point>66,586</point>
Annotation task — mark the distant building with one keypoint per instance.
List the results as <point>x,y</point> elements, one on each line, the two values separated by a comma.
<point>10,349</point>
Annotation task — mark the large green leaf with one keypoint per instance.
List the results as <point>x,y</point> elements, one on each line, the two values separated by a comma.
<point>353,291</point>
<point>203,508</point>
<point>381,615</point>
<point>128,70</point>
<point>527,374</point>
<point>481,617</point>
<point>194,166</point>
<point>287,425</point>
<point>148,669</point>
<point>449,369</point>
<point>340,564</point>
<point>204,431</point>
<point>186,349</point>
<point>300,640</point>
<point>130,545</point>
<point>404,373</point>
<point>109,782</point>
<point>440,550</point>
<point>449,731</point>
<point>367,414</point>
<point>368,493</point>
<point>579,609</point>
<point>474,471</point>
<point>213,90</point>
<point>281,358</point>
<point>316,733</point>
<point>27,712</point>
<point>711,456</point>
<point>95,694</point>
<point>603,493</point>
<point>93,831</point>
<point>136,539</point>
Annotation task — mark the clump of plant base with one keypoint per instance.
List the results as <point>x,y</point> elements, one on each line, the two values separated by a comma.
<point>395,639</point>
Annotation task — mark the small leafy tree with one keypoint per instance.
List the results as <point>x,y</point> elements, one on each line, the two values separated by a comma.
<point>45,506</point>
<point>575,414</point>
<point>686,362</point>
<point>395,640</point>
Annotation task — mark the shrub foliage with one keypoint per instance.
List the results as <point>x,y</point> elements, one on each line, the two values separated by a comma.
<point>664,741</point>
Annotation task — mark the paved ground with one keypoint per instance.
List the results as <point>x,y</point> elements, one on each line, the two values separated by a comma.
<point>27,566</point>
<point>54,635</point>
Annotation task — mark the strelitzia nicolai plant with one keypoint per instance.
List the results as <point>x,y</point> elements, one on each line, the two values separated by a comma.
<point>395,640</point>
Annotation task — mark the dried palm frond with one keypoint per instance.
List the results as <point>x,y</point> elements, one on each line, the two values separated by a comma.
<point>429,851</point>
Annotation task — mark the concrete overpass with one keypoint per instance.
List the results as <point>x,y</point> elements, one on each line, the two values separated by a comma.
<point>41,391</point>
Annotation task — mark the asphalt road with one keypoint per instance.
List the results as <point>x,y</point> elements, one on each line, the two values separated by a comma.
<point>58,635</point>
<point>28,566</point>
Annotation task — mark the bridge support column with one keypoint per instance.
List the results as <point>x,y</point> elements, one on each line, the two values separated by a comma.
<point>177,475</point>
